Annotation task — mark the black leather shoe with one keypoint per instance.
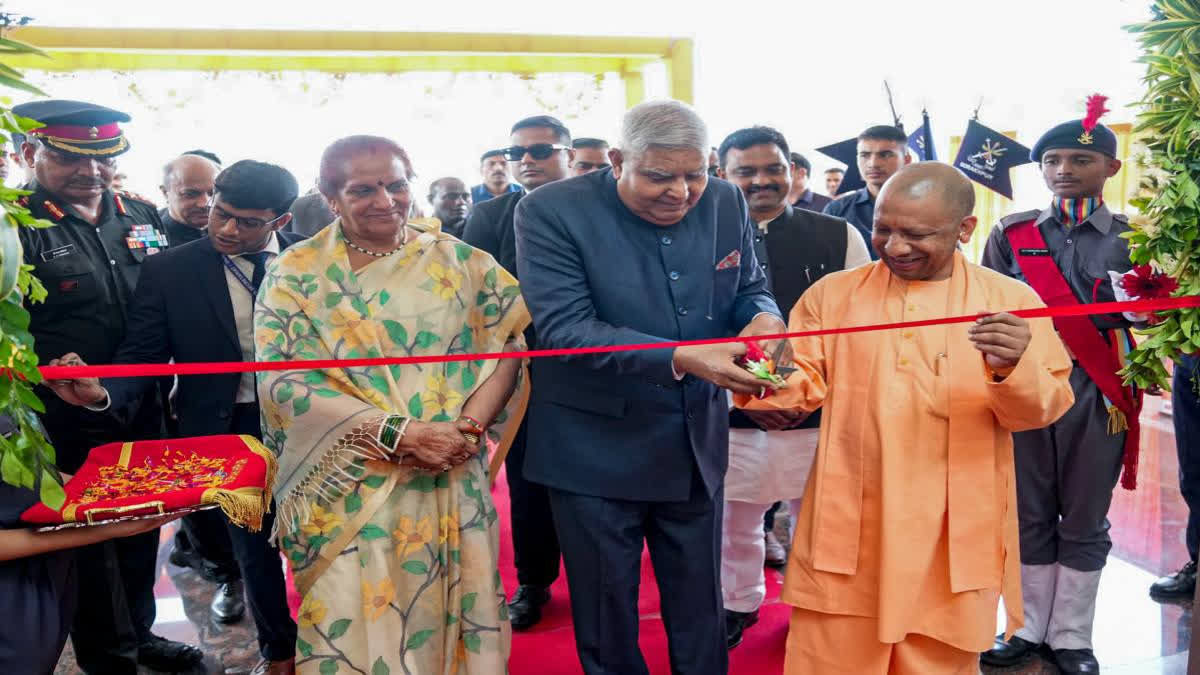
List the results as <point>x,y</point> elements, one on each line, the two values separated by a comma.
<point>736,624</point>
<point>228,604</point>
<point>168,656</point>
<point>1072,661</point>
<point>1182,584</point>
<point>525,610</point>
<point>1010,653</point>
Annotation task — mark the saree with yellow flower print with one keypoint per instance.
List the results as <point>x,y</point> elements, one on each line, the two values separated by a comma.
<point>397,568</point>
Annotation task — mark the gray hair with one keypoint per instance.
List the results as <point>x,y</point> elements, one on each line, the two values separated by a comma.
<point>670,125</point>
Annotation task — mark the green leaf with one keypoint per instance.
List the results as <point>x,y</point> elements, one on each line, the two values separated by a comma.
<point>472,641</point>
<point>489,279</point>
<point>353,503</point>
<point>51,492</point>
<point>425,339</point>
<point>441,417</point>
<point>468,378</point>
<point>469,488</point>
<point>328,667</point>
<point>422,483</point>
<point>468,602</point>
<point>297,556</point>
<point>451,619</point>
<point>480,298</point>
<point>301,405</point>
<point>510,292</point>
<point>374,482</point>
<point>462,252</point>
<point>286,392</point>
<point>334,274</point>
<point>303,647</point>
<point>30,399</point>
<point>415,409</point>
<point>396,332</point>
<point>317,541</point>
<point>371,532</point>
<point>327,393</point>
<point>418,639</point>
<point>359,306</point>
<point>338,628</point>
<point>314,377</point>
<point>465,337</point>
<point>380,668</point>
<point>416,567</point>
<point>332,299</point>
<point>379,382</point>
<point>492,310</point>
<point>384,296</point>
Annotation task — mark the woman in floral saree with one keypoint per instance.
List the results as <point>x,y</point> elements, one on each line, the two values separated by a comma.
<point>385,514</point>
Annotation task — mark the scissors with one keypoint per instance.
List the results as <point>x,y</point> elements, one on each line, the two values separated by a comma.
<point>782,371</point>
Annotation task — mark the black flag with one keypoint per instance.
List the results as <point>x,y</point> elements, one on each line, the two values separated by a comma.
<point>987,155</point>
<point>846,152</point>
<point>921,141</point>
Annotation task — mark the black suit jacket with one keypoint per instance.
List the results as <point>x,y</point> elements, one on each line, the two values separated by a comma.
<point>182,311</point>
<point>619,425</point>
<point>490,227</point>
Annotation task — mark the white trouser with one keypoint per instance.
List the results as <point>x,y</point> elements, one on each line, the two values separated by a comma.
<point>743,581</point>
<point>1074,609</point>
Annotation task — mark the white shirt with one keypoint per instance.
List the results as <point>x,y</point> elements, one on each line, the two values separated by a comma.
<point>243,314</point>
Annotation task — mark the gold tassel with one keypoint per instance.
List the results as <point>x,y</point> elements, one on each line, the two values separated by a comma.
<point>1117,421</point>
<point>244,509</point>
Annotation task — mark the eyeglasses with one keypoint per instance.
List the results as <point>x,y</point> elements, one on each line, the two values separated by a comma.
<point>220,215</point>
<point>537,151</point>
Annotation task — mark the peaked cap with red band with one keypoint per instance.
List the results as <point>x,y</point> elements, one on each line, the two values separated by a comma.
<point>1084,134</point>
<point>77,127</point>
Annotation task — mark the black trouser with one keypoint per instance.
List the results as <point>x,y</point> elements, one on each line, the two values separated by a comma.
<point>116,578</point>
<point>116,603</point>
<point>237,553</point>
<point>602,547</point>
<point>535,543</point>
<point>1066,473</point>
<point>1185,412</point>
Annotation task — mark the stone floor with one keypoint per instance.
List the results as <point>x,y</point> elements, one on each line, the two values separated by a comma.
<point>1133,634</point>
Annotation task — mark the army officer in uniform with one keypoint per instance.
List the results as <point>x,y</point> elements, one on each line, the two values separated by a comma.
<point>89,263</point>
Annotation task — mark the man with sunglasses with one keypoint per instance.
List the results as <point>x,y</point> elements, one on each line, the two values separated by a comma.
<point>541,153</point>
<point>195,303</point>
<point>89,264</point>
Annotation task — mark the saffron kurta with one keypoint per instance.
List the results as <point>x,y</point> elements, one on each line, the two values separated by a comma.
<point>910,514</point>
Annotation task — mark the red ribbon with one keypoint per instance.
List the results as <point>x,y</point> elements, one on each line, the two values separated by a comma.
<point>162,369</point>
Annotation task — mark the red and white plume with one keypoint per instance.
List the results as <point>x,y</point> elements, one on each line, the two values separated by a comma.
<point>1095,108</point>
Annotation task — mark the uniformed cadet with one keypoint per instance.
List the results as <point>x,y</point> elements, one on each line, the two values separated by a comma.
<point>89,264</point>
<point>882,151</point>
<point>1066,472</point>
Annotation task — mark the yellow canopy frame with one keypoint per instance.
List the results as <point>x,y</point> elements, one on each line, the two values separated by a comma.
<point>74,49</point>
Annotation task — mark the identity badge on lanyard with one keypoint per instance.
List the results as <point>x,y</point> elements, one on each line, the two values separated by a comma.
<point>239,275</point>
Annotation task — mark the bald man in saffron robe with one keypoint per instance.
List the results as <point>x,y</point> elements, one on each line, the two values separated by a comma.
<point>907,537</point>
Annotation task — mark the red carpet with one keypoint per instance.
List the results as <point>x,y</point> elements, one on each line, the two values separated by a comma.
<point>549,648</point>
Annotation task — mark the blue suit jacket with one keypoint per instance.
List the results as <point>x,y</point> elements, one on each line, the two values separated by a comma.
<point>619,425</point>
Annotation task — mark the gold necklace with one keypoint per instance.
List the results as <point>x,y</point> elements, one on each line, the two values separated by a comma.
<point>373,254</point>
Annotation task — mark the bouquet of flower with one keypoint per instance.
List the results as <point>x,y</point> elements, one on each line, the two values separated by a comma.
<point>757,363</point>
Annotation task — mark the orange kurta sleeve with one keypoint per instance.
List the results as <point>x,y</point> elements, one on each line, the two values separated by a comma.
<point>1038,390</point>
<point>806,388</point>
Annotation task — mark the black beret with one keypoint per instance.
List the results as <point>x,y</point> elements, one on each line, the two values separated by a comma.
<point>1071,135</point>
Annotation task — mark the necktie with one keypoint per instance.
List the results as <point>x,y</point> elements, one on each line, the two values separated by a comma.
<point>259,260</point>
